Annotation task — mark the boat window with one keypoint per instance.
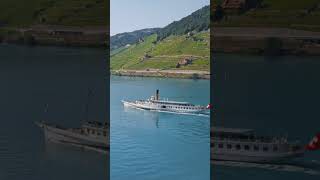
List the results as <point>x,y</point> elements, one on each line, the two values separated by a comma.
<point>104,133</point>
<point>265,148</point>
<point>212,145</point>
<point>246,147</point>
<point>256,148</point>
<point>92,132</point>
<point>238,147</point>
<point>220,145</point>
<point>98,133</point>
<point>229,146</point>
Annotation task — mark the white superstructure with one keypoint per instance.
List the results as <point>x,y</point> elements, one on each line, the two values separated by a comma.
<point>243,145</point>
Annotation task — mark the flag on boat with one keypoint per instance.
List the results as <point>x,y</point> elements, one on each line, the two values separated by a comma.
<point>314,143</point>
<point>209,106</point>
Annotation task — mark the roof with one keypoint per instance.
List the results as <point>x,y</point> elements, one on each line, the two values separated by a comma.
<point>231,130</point>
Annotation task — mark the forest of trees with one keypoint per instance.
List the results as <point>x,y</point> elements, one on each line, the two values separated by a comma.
<point>197,21</point>
<point>122,39</point>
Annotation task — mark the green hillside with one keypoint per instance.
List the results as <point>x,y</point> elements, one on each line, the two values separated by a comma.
<point>181,45</point>
<point>296,14</point>
<point>58,12</point>
<point>165,54</point>
<point>118,41</point>
<point>197,21</point>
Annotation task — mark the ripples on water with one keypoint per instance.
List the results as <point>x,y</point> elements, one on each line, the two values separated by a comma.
<point>158,145</point>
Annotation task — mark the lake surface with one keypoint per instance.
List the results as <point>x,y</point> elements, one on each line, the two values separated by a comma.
<point>274,96</point>
<point>157,145</point>
<point>32,77</point>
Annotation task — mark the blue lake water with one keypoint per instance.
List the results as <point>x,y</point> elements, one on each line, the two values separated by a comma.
<point>30,78</point>
<point>274,96</point>
<point>158,145</point>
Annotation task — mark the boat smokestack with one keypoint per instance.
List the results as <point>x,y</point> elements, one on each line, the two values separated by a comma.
<point>157,95</point>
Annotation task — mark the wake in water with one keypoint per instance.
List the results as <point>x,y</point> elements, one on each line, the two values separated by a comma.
<point>294,167</point>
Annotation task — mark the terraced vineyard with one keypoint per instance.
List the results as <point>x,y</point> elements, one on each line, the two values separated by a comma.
<point>165,54</point>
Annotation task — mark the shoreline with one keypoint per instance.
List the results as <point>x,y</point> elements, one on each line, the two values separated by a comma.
<point>180,74</point>
<point>269,41</point>
<point>54,35</point>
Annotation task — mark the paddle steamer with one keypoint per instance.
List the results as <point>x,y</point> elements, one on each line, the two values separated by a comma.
<point>156,104</point>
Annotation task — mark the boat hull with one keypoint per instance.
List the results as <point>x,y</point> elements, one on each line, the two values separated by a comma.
<point>256,158</point>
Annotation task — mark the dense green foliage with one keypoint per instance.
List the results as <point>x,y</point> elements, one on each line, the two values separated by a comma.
<point>122,39</point>
<point>197,21</point>
<point>58,12</point>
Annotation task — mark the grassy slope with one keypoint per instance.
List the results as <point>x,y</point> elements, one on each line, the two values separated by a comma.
<point>280,13</point>
<point>165,54</point>
<point>58,12</point>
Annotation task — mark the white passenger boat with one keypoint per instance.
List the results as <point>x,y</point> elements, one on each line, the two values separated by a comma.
<point>155,103</point>
<point>243,145</point>
<point>91,135</point>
